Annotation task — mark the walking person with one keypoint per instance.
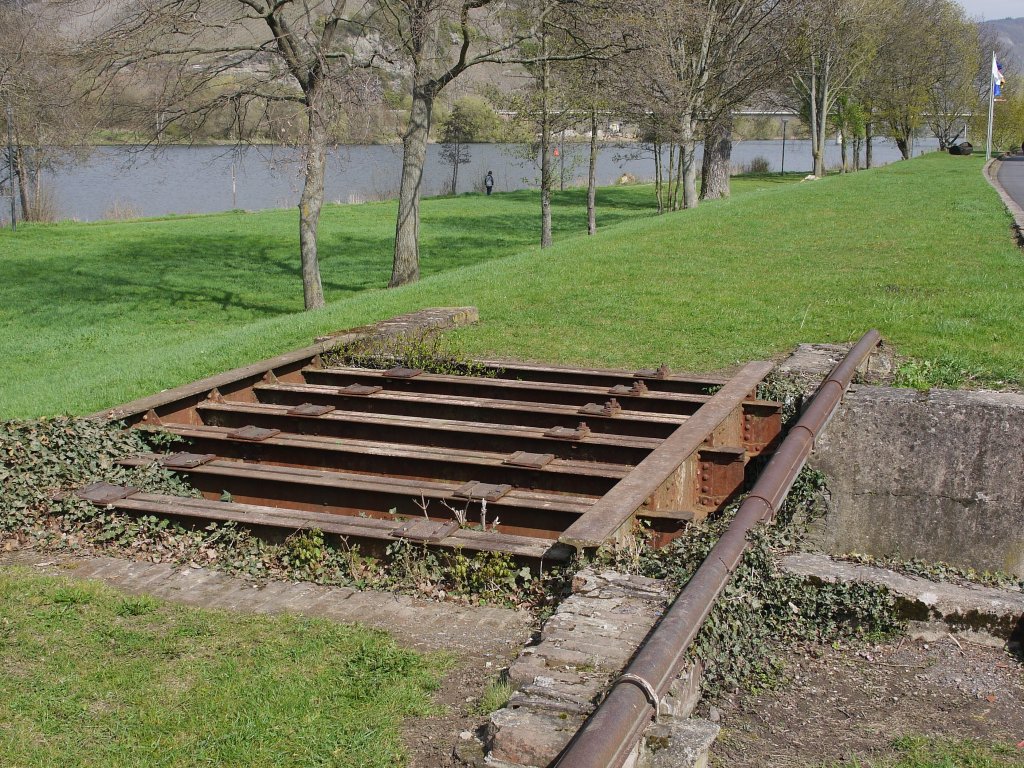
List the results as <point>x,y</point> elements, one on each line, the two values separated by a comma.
<point>489,182</point>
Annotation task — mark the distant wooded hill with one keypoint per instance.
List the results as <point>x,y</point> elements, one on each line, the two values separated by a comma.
<point>1011,33</point>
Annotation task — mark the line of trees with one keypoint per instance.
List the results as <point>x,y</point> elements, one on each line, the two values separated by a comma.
<point>312,71</point>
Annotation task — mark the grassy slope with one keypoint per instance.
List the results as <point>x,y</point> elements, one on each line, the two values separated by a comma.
<point>98,314</point>
<point>919,249</point>
<point>89,677</point>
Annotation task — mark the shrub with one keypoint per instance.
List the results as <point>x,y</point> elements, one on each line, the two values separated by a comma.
<point>757,165</point>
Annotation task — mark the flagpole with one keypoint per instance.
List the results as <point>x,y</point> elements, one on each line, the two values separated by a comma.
<point>991,108</point>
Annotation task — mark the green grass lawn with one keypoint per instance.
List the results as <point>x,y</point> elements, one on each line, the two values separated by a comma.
<point>89,677</point>
<point>99,314</point>
<point>96,314</point>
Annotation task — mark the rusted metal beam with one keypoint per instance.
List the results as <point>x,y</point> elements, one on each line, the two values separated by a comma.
<point>631,397</point>
<point>441,433</point>
<point>683,383</point>
<point>663,472</point>
<point>359,529</point>
<point>398,460</point>
<point>488,410</point>
<point>520,511</point>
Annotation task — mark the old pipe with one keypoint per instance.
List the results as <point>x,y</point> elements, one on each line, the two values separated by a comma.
<point>610,734</point>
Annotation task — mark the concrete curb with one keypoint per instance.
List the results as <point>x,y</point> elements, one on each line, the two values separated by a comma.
<point>979,614</point>
<point>991,173</point>
<point>423,625</point>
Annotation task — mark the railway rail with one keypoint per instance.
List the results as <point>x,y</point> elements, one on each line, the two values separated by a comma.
<point>609,736</point>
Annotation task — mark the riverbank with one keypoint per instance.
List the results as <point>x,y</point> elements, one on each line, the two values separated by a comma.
<point>100,314</point>
<point>115,182</point>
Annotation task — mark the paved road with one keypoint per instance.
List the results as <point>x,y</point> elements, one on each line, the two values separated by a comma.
<point>1011,177</point>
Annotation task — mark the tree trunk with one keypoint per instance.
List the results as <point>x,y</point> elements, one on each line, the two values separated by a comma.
<point>714,174</point>
<point>545,156</point>
<point>37,191</point>
<point>903,145</point>
<point>676,201</point>
<point>658,176</point>
<point>812,103</point>
<point>455,168</point>
<point>673,179</point>
<point>406,268</point>
<point>843,154</point>
<point>592,176</point>
<point>823,105</point>
<point>868,136</point>
<point>311,202</point>
<point>822,138</point>
<point>688,164</point>
<point>24,192</point>
<point>856,152</point>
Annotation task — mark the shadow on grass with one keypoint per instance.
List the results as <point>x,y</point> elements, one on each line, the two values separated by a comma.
<point>229,271</point>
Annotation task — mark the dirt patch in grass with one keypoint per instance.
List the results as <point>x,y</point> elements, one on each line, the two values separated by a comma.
<point>852,703</point>
<point>431,740</point>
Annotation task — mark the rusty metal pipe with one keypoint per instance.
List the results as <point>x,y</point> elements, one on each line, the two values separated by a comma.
<point>610,734</point>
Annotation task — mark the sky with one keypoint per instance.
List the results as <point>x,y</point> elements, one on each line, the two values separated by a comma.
<point>994,9</point>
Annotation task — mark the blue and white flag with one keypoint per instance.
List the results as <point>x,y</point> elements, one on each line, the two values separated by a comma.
<point>997,77</point>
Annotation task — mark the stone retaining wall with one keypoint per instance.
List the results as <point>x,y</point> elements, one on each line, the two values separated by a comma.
<point>935,475</point>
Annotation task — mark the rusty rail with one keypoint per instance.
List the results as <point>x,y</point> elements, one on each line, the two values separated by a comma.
<point>610,734</point>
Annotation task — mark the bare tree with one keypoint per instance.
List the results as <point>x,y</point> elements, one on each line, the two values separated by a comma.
<point>435,41</point>
<point>456,132</point>
<point>749,53</point>
<point>700,59</point>
<point>270,62</point>
<point>40,101</point>
<point>834,41</point>
<point>962,67</point>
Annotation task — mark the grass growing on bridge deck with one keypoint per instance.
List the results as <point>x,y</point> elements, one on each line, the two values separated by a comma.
<point>94,678</point>
<point>921,250</point>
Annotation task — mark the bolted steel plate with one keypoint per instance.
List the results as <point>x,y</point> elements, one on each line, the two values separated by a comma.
<point>106,493</point>
<point>186,460</point>
<point>485,491</point>
<point>638,388</point>
<point>400,372</point>
<point>308,409</point>
<point>568,433</point>
<point>360,390</point>
<point>610,409</point>
<point>425,530</point>
<point>662,372</point>
<point>256,434</point>
<point>531,460</point>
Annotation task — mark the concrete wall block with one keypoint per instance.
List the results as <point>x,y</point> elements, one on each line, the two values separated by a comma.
<point>678,744</point>
<point>528,738</point>
<point>684,693</point>
<point>979,614</point>
<point>936,475</point>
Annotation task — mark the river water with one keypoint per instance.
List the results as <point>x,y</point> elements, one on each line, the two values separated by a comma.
<point>119,181</point>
